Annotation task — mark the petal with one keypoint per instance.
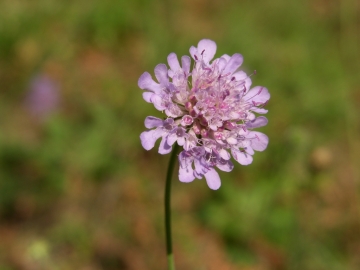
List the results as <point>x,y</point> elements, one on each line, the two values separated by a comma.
<point>241,157</point>
<point>181,141</point>
<point>233,64</point>
<point>161,71</point>
<point>193,52</point>
<point>226,57</point>
<point>258,94</point>
<point>242,76</point>
<point>148,138</point>
<point>147,96</point>
<point>231,140</point>
<point>158,102</point>
<point>246,144</point>
<point>249,150</point>
<point>186,172</point>
<point>260,110</point>
<point>189,143</point>
<point>146,82</point>
<point>224,154</point>
<point>251,116</point>
<point>207,48</point>
<point>186,175</point>
<point>173,111</point>
<point>221,63</point>
<point>173,62</point>
<point>257,122</point>
<point>260,142</point>
<point>164,148</point>
<point>171,73</point>
<point>172,138</point>
<point>200,169</point>
<point>213,179</point>
<point>152,121</point>
<point>184,159</point>
<point>225,165</point>
<point>186,62</point>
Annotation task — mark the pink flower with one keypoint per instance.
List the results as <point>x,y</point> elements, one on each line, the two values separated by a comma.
<point>210,112</point>
<point>42,97</point>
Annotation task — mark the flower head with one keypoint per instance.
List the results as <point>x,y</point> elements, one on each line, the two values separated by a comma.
<point>210,112</point>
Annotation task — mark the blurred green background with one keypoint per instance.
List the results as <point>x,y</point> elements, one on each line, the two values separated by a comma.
<point>77,191</point>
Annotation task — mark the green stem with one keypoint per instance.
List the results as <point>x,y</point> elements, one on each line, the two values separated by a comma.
<point>170,256</point>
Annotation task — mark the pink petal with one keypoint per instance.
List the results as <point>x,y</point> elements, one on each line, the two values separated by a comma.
<point>181,141</point>
<point>148,138</point>
<point>224,154</point>
<point>258,94</point>
<point>173,62</point>
<point>242,76</point>
<point>232,140</point>
<point>251,116</point>
<point>186,175</point>
<point>161,71</point>
<point>260,142</point>
<point>257,122</point>
<point>200,169</point>
<point>241,157</point>
<point>226,166</point>
<point>260,110</point>
<point>158,102</point>
<point>226,57</point>
<point>249,150</point>
<point>234,63</point>
<point>151,122</point>
<point>147,96</point>
<point>193,52</point>
<point>184,160</point>
<point>186,62</point>
<point>171,73</point>
<point>213,179</point>
<point>186,172</point>
<point>221,63</point>
<point>172,138</point>
<point>207,48</point>
<point>164,148</point>
<point>146,82</point>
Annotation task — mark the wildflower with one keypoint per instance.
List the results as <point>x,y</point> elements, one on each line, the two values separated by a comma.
<point>43,96</point>
<point>210,112</point>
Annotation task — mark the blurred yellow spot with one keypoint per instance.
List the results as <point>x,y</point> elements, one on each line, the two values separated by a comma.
<point>38,250</point>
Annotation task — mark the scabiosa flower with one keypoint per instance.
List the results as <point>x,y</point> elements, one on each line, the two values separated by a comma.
<point>210,112</point>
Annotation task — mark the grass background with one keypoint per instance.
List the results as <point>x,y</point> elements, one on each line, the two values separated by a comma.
<point>77,191</point>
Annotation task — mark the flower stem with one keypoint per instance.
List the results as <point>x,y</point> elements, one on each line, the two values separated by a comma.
<point>170,256</point>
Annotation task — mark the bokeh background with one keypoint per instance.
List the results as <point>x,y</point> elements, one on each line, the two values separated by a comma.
<point>77,191</point>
